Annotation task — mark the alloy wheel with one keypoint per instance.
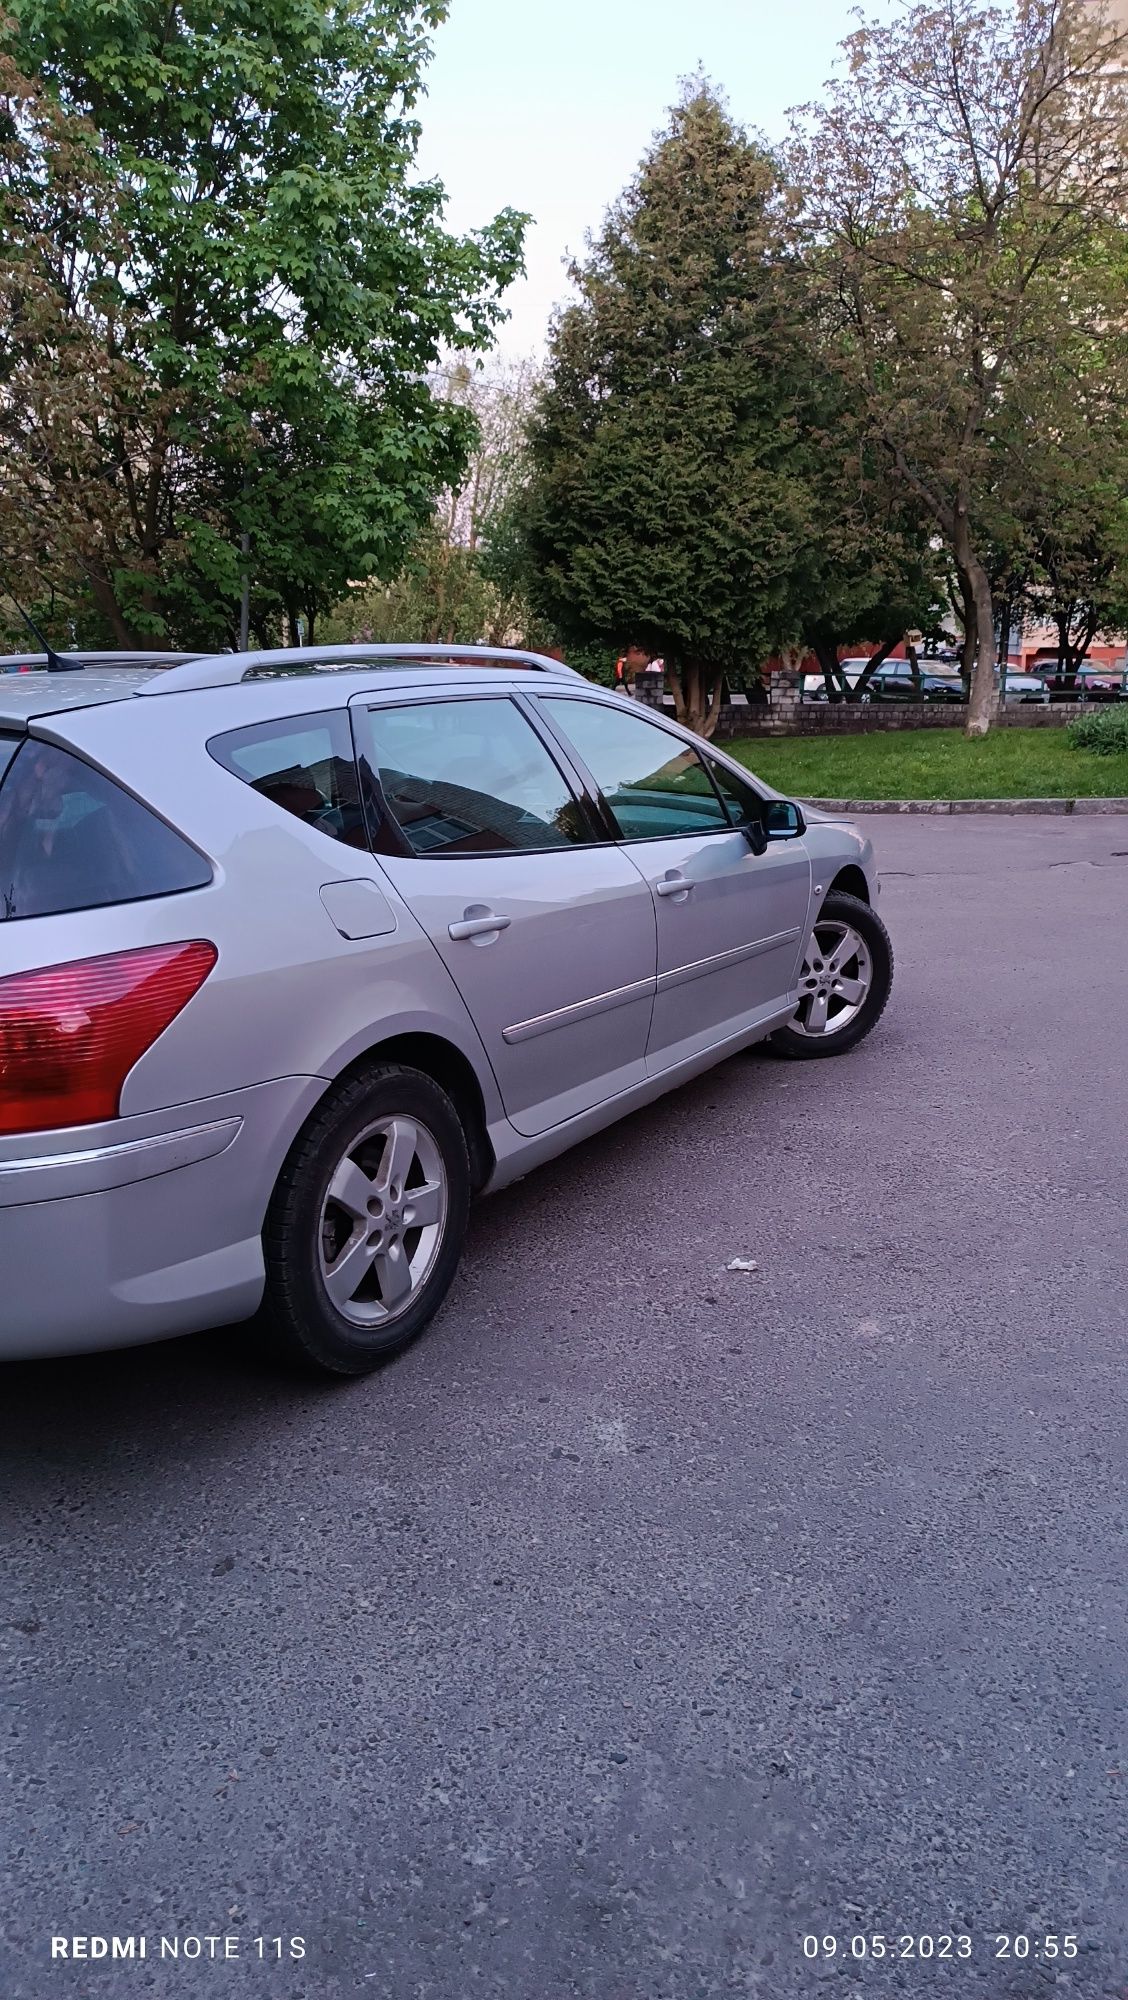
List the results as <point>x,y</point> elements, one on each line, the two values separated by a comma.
<point>835,981</point>
<point>382,1221</point>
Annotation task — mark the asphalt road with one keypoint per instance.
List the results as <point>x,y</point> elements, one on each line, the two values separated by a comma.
<point>647,1617</point>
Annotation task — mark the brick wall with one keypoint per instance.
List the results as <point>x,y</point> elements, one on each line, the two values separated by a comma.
<point>787,715</point>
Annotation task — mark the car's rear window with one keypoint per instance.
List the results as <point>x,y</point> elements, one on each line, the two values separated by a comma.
<point>72,839</point>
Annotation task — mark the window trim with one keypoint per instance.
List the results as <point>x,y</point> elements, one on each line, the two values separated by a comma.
<point>384,831</point>
<point>620,838</point>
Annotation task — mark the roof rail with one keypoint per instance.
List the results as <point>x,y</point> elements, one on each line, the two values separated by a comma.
<point>226,669</point>
<point>81,657</point>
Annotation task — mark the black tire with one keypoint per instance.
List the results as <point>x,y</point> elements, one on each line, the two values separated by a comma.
<point>299,1318</point>
<point>839,908</point>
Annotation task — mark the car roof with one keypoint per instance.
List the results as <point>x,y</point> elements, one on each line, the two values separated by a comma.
<point>23,696</point>
<point>253,685</point>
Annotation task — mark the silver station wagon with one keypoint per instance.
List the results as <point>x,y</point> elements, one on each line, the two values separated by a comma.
<point>301,950</point>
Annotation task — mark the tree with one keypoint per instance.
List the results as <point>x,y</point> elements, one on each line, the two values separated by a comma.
<point>60,369</point>
<point>875,589</point>
<point>1073,520</point>
<point>1086,591</point>
<point>963,200</point>
<point>214,208</point>
<point>661,507</point>
<point>476,520</point>
<point>868,571</point>
<point>464,578</point>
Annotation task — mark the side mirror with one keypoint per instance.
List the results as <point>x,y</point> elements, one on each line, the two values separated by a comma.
<point>783,820</point>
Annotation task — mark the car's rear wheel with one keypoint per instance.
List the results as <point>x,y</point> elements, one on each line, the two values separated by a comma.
<point>365,1227</point>
<point>845,981</point>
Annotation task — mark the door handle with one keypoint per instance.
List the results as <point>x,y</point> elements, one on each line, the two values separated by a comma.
<point>481,924</point>
<point>673,885</point>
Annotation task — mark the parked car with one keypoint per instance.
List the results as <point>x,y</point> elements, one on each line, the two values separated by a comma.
<point>1086,683</point>
<point>813,686</point>
<point>302,949</point>
<point>1025,687</point>
<point>893,681</point>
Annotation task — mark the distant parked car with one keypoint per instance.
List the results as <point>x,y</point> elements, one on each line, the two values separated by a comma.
<point>1085,683</point>
<point>894,682</point>
<point>1026,687</point>
<point>814,685</point>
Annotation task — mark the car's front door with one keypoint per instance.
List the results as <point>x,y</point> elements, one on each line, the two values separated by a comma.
<point>731,922</point>
<point>892,683</point>
<point>542,921</point>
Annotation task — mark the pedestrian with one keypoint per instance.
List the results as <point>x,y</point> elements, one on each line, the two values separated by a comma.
<point>630,666</point>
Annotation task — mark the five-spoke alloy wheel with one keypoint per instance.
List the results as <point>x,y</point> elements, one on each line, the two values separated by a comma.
<point>365,1229</point>
<point>844,983</point>
<point>382,1220</point>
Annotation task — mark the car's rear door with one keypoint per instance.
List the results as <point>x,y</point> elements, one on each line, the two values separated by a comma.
<point>545,926</point>
<point>731,922</point>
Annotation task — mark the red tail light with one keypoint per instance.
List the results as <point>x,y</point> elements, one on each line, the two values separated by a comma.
<point>70,1035</point>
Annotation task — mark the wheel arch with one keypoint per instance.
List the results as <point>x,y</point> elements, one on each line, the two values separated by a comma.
<point>850,881</point>
<point>453,1071</point>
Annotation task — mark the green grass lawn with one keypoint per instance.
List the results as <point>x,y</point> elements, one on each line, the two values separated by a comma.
<point>933,764</point>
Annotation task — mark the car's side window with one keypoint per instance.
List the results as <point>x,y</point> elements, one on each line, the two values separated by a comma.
<point>303,763</point>
<point>470,777</point>
<point>655,785</point>
<point>742,801</point>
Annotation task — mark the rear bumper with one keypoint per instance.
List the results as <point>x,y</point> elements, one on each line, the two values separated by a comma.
<point>145,1228</point>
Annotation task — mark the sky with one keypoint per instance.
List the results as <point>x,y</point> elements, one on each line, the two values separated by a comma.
<point>548,105</point>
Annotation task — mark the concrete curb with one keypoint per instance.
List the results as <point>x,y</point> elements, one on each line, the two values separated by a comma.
<point>1061,807</point>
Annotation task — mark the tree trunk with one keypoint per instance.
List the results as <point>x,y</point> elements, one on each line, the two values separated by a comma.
<point>967,647</point>
<point>983,706</point>
<point>103,595</point>
<point>697,696</point>
<point>979,631</point>
<point>876,660</point>
<point>1004,645</point>
<point>827,657</point>
<point>1073,650</point>
<point>913,658</point>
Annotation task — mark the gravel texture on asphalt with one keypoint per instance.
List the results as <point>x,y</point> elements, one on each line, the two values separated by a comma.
<point>649,1615</point>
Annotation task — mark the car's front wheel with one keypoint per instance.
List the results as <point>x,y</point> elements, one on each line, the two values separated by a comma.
<point>845,981</point>
<point>365,1227</point>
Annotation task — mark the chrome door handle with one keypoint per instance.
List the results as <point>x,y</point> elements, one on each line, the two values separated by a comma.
<point>478,926</point>
<point>673,885</point>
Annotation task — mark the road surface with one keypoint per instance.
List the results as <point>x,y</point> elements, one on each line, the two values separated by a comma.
<point>648,1617</point>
